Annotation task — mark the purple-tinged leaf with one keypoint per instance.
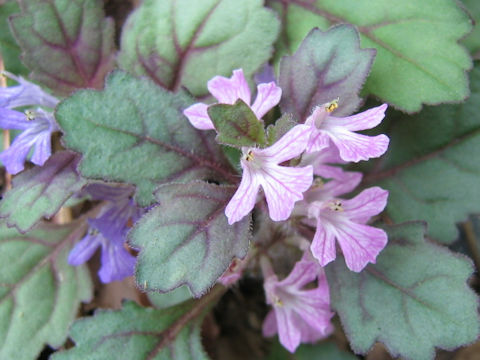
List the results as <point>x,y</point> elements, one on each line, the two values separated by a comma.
<point>68,44</point>
<point>186,43</point>
<point>186,239</point>
<point>40,293</point>
<point>327,66</point>
<point>414,299</point>
<point>138,333</point>
<point>41,191</point>
<point>135,132</point>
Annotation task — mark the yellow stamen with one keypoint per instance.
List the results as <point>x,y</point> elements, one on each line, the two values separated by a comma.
<point>30,115</point>
<point>277,301</point>
<point>249,156</point>
<point>335,205</point>
<point>331,106</point>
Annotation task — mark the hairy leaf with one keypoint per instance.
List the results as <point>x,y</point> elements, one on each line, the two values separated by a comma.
<point>140,333</point>
<point>419,60</point>
<point>39,292</point>
<point>68,44</point>
<point>237,125</point>
<point>186,239</point>
<point>41,191</point>
<point>414,299</point>
<point>9,50</point>
<point>135,132</point>
<point>186,43</point>
<point>171,298</point>
<point>431,168</point>
<point>326,66</point>
<point>472,41</point>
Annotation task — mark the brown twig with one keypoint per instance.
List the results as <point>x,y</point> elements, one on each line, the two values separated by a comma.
<point>6,132</point>
<point>472,243</point>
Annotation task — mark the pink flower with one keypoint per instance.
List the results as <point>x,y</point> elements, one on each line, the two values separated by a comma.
<point>228,91</point>
<point>344,220</point>
<point>282,185</point>
<point>298,315</point>
<point>340,131</point>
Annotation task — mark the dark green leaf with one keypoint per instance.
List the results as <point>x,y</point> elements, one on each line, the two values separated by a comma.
<point>68,44</point>
<point>137,333</point>
<point>41,191</point>
<point>322,351</point>
<point>327,66</point>
<point>280,128</point>
<point>419,60</point>
<point>9,50</point>
<point>186,43</point>
<point>39,292</point>
<point>171,298</point>
<point>187,239</point>
<point>237,125</point>
<point>135,132</point>
<point>414,299</point>
<point>472,41</point>
<point>431,168</point>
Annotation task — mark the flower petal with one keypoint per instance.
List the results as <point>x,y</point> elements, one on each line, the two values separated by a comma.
<point>288,333</point>
<point>283,186</point>
<point>368,203</point>
<point>42,150</point>
<point>345,183</point>
<point>323,243</point>
<point>228,91</point>
<point>117,263</point>
<point>268,95</point>
<point>198,116</point>
<point>269,327</point>
<point>14,157</point>
<point>318,141</point>
<point>84,249</point>
<point>302,273</point>
<point>355,147</point>
<point>289,146</point>
<point>11,119</point>
<point>360,243</point>
<point>244,198</point>
<point>362,121</point>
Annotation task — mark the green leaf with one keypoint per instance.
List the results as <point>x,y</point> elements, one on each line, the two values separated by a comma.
<point>67,44</point>
<point>187,239</point>
<point>414,299</point>
<point>237,125</point>
<point>9,50</point>
<point>186,43</point>
<point>322,351</point>
<point>326,66</point>
<point>472,41</point>
<point>171,298</point>
<point>41,191</point>
<point>39,292</point>
<point>280,128</point>
<point>135,132</point>
<point>139,333</point>
<point>419,60</point>
<point>431,168</point>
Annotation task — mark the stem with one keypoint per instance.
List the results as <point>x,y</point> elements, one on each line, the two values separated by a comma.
<point>472,242</point>
<point>6,132</point>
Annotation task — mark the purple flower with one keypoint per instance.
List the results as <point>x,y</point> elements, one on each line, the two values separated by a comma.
<point>228,91</point>
<point>282,185</point>
<point>37,129</point>
<point>340,131</point>
<point>299,316</point>
<point>345,221</point>
<point>109,231</point>
<point>24,94</point>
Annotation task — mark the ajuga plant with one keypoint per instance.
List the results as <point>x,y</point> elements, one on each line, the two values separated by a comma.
<point>226,179</point>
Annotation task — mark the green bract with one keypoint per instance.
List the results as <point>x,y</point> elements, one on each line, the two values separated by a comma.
<point>186,43</point>
<point>431,168</point>
<point>39,292</point>
<point>414,299</point>
<point>418,58</point>
<point>237,125</point>
<point>187,239</point>
<point>135,132</point>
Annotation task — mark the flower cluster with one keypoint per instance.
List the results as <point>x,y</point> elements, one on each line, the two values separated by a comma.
<point>108,231</point>
<point>312,191</point>
<point>37,124</point>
